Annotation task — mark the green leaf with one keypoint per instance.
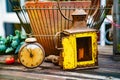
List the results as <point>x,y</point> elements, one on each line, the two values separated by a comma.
<point>18,47</point>
<point>9,49</point>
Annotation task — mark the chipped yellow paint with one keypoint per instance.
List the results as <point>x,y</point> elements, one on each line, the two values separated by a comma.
<point>69,53</point>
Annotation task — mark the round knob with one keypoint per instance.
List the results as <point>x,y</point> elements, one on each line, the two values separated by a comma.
<point>31,40</point>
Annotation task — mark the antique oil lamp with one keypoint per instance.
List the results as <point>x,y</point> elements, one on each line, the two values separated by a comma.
<point>79,44</point>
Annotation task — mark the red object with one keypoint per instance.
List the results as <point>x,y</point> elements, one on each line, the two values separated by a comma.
<point>10,60</point>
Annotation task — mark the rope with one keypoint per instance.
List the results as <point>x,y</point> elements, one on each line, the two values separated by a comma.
<point>113,23</point>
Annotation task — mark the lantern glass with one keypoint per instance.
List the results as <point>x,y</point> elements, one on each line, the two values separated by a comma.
<point>84,49</point>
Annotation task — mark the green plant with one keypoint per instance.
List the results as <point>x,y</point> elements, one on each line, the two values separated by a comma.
<point>12,43</point>
<point>118,47</point>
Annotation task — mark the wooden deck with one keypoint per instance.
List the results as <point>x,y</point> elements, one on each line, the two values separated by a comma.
<point>108,69</point>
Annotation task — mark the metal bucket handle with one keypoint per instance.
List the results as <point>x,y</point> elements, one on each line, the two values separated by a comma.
<point>58,3</point>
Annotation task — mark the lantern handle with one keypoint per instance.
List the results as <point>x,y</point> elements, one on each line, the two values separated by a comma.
<point>55,40</point>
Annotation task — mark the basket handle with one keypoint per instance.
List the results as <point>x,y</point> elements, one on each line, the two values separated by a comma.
<point>36,0</point>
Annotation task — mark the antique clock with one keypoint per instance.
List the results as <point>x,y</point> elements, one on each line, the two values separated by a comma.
<point>31,54</point>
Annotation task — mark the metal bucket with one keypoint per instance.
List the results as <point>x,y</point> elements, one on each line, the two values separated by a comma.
<point>46,20</point>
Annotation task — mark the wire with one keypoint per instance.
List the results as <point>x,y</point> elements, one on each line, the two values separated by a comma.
<point>61,11</point>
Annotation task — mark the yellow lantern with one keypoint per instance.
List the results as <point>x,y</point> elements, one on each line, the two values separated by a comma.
<point>79,44</point>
